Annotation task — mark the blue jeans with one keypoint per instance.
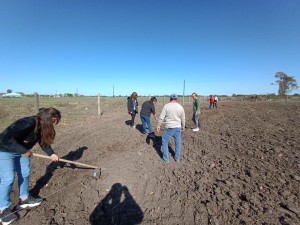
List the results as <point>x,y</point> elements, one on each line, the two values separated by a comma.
<point>11,163</point>
<point>146,120</point>
<point>196,120</point>
<point>167,134</point>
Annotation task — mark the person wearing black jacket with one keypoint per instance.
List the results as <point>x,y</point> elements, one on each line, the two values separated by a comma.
<point>148,108</point>
<point>132,106</point>
<point>15,144</point>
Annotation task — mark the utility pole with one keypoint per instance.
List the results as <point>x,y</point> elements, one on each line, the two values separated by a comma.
<point>113,91</point>
<point>99,108</point>
<point>183,92</point>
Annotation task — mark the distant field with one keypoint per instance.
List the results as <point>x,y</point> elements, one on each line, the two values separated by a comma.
<point>72,109</point>
<point>79,108</point>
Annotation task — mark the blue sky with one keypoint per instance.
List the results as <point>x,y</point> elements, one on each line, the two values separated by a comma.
<point>148,46</point>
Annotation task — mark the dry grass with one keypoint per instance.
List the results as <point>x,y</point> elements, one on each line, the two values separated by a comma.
<point>74,109</point>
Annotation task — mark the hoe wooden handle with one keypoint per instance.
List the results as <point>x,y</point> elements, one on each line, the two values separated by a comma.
<point>64,160</point>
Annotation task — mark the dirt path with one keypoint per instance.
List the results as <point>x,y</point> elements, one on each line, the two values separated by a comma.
<point>241,168</point>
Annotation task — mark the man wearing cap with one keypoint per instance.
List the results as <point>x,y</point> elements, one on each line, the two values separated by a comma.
<point>173,117</point>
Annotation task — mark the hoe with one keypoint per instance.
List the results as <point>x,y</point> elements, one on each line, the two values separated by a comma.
<point>96,173</point>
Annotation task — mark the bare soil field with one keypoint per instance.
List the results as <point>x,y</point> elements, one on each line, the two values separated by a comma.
<point>242,167</point>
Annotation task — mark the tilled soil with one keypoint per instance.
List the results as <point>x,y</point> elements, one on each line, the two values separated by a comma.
<point>242,167</point>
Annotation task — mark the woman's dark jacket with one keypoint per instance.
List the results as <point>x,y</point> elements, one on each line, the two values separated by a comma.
<point>20,137</point>
<point>130,105</point>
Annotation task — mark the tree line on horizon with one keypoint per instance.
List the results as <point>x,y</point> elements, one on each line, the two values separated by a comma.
<point>286,84</point>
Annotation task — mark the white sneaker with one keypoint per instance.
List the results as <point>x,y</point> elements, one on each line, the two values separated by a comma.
<point>196,129</point>
<point>7,217</point>
<point>29,202</point>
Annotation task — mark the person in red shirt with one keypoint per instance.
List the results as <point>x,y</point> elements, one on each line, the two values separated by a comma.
<point>211,101</point>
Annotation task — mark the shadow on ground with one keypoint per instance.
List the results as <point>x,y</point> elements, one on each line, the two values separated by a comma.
<point>73,155</point>
<point>118,207</point>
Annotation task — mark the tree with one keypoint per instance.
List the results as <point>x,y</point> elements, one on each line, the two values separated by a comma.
<point>68,94</point>
<point>9,91</point>
<point>286,83</point>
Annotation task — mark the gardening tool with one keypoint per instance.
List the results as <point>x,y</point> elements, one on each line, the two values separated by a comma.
<point>96,173</point>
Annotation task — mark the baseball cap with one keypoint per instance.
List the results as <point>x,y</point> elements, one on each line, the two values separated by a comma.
<point>173,96</point>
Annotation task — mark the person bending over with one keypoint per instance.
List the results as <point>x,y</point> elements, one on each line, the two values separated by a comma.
<point>16,141</point>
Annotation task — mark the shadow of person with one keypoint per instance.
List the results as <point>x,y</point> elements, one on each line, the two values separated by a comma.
<point>117,208</point>
<point>72,155</point>
<point>41,182</point>
<point>139,127</point>
<point>157,145</point>
<point>172,152</point>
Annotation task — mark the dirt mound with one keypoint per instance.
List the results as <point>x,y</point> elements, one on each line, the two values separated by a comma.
<point>242,168</point>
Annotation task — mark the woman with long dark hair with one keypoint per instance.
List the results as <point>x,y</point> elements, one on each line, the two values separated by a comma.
<point>15,144</point>
<point>132,107</point>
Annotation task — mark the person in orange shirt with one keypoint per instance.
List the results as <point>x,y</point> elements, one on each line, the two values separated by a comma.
<point>211,101</point>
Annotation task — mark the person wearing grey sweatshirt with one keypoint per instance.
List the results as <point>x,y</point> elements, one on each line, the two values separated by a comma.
<point>173,117</point>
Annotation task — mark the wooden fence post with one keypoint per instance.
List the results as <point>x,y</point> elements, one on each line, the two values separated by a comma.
<point>37,104</point>
<point>99,109</point>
